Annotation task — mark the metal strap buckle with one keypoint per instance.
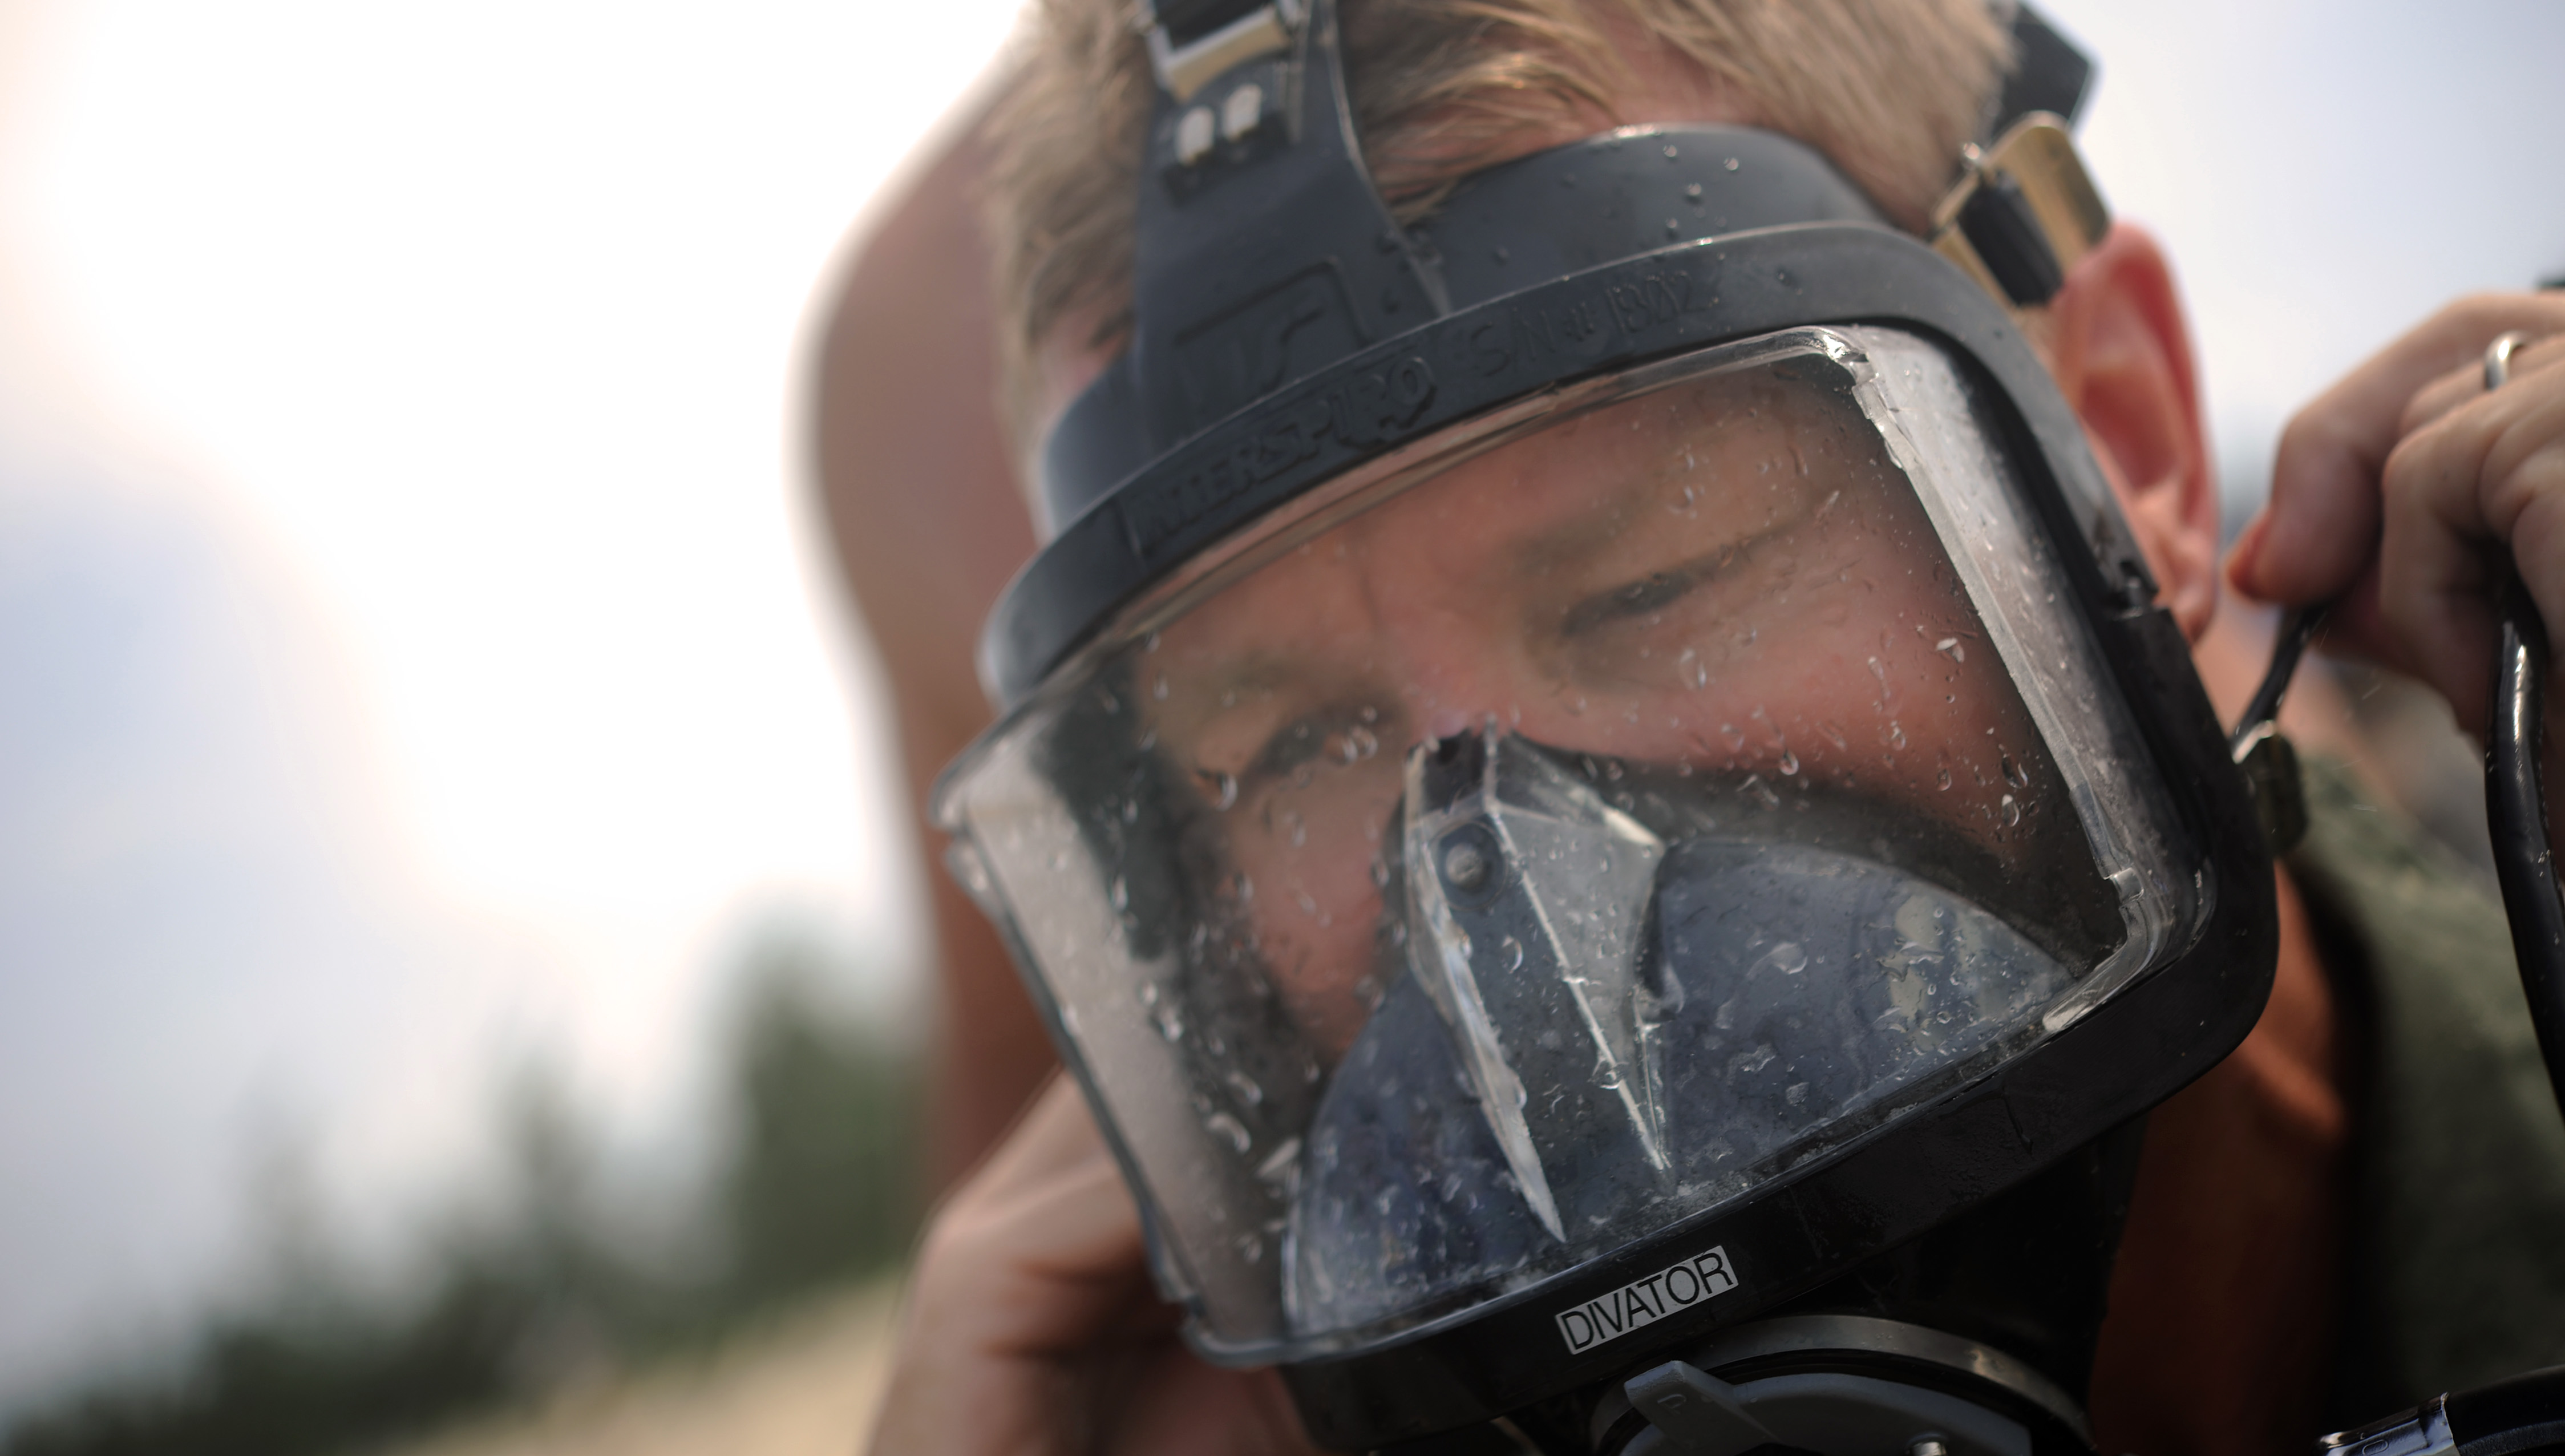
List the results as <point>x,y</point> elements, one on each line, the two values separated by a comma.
<point>1187,67</point>
<point>2022,213</point>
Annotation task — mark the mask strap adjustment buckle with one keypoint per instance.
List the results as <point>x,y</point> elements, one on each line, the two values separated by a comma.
<point>2023,213</point>
<point>1193,42</point>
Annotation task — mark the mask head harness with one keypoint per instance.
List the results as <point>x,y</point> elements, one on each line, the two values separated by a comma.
<point>1285,328</point>
<point>1942,1273</point>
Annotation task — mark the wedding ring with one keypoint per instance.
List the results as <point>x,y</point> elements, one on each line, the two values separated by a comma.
<point>2497,361</point>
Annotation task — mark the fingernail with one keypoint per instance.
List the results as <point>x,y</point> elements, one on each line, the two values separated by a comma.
<point>2241,562</point>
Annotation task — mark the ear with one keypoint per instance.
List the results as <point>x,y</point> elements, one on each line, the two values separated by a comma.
<point>2120,348</point>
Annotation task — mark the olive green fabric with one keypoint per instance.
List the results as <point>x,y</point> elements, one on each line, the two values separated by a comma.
<point>2457,1267</point>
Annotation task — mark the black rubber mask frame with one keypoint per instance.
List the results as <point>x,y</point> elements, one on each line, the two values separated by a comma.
<point>1286,333</point>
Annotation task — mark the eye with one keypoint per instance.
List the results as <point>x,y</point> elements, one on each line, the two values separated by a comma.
<point>1341,733</point>
<point>1698,583</point>
<point>1296,744</point>
<point>1649,593</point>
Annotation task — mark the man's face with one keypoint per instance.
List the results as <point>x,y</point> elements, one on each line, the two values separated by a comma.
<point>1587,587</point>
<point>1728,579</point>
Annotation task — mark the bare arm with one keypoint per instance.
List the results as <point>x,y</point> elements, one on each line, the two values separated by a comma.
<point>927,525</point>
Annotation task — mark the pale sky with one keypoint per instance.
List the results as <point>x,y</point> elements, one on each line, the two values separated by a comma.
<point>417,657</point>
<point>2324,174</point>
<point>414,646</point>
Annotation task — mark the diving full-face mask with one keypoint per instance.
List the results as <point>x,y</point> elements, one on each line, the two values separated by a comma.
<point>1595,791</point>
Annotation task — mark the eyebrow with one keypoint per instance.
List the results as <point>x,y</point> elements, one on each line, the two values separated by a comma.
<point>1261,670</point>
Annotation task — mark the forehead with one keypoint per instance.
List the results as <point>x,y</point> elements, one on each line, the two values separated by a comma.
<point>1706,462</point>
<point>1733,443</point>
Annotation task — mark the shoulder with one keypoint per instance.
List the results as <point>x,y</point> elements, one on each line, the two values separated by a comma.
<point>2458,1257</point>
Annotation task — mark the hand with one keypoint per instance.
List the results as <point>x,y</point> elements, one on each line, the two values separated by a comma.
<point>1032,1325</point>
<point>2402,490</point>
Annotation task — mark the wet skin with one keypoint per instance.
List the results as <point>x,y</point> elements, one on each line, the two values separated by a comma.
<point>1726,577</point>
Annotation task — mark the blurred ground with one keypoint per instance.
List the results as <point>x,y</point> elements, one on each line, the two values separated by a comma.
<point>803,1385</point>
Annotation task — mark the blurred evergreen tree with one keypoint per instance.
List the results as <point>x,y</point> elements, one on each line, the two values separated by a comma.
<point>824,1182</point>
<point>817,1186</point>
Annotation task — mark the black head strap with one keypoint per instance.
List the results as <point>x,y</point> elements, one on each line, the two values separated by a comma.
<point>2049,75</point>
<point>1263,253</point>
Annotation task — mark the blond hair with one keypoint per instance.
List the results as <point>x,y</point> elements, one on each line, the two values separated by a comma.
<point>1889,90</point>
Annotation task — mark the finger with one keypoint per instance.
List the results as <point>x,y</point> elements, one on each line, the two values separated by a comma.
<point>1050,1192</point>
<point>2321,526</point>
<point>1033,1263</point>
<point>2480,485</point>
<point>1078,1224</point>
<point>2465,385</point>
<point>1057,1267</point>
<point>1055,1132</point>
<point>2441,645</point>
<point>1043,1247</point>
<point>1191,1408</point>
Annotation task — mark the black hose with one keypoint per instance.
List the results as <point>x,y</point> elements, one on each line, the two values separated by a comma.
<point>2517,814</point>
<point>2296,627</point>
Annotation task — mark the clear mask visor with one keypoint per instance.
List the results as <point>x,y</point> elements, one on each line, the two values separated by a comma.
<point>1567,825</point>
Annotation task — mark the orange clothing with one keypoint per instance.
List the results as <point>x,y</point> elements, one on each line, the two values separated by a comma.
<point>2220,1332</point>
